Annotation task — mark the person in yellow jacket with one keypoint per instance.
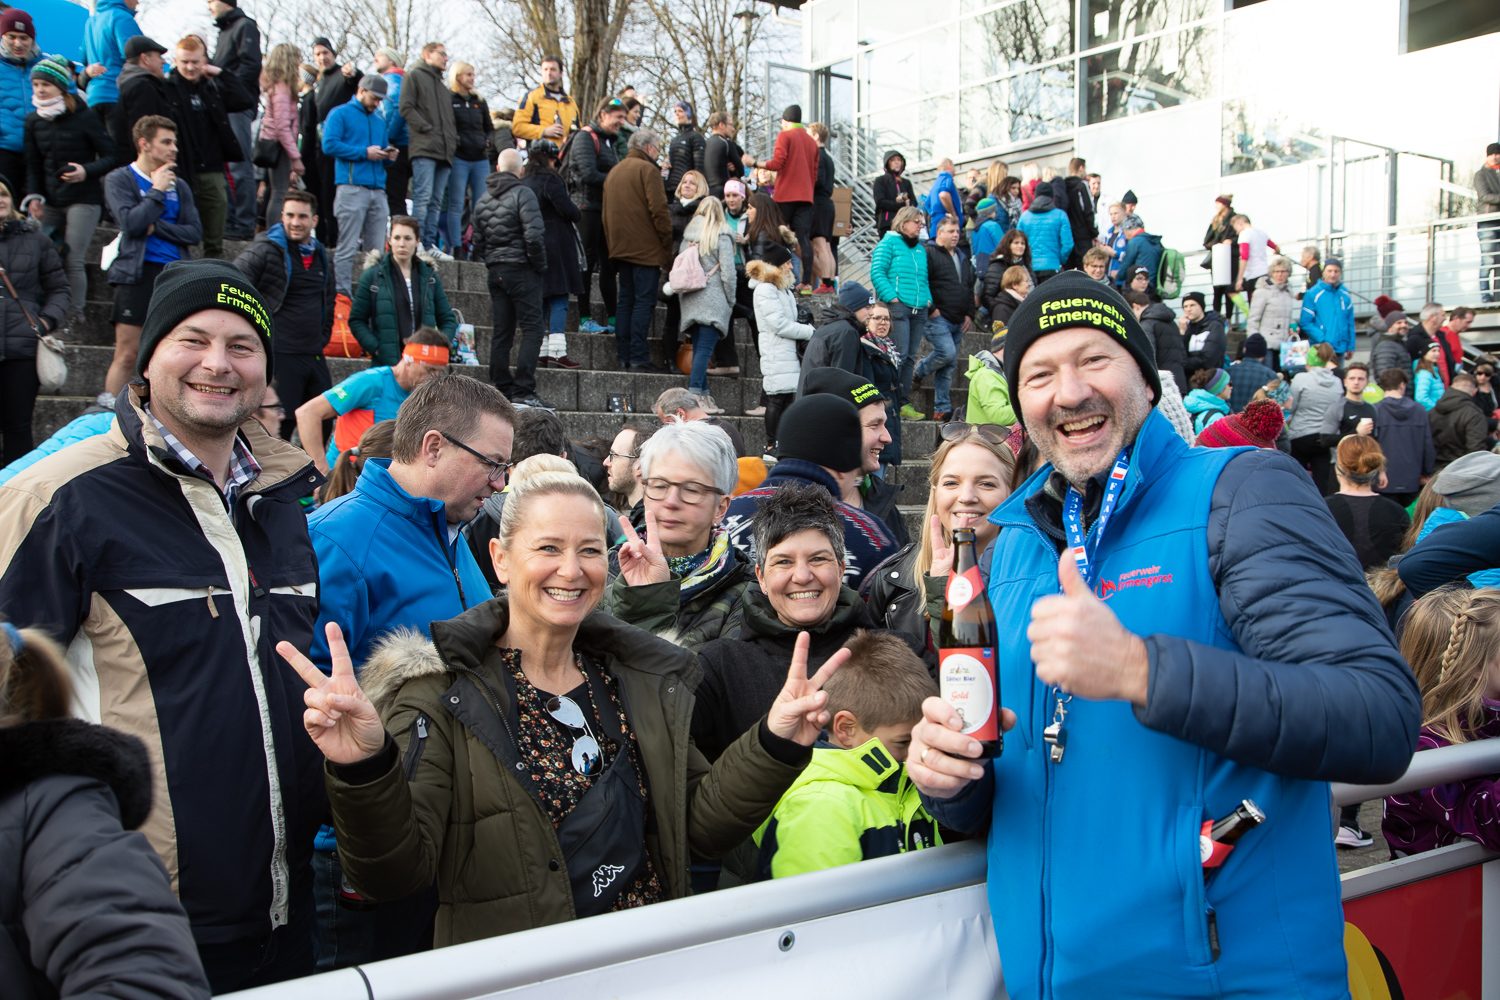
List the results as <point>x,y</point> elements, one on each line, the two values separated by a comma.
<point>548,112</point>
<point>854,801</point>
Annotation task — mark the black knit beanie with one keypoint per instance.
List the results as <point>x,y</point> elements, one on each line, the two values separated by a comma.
<point>188,286</point>
<point>838,382</point>
<point>1073,299</point>
<point>822,429</point>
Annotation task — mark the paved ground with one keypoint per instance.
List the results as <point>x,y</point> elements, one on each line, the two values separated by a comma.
<point>1352,858</point>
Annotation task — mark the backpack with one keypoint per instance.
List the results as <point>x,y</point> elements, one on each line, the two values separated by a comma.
<point>1169,273</point>
<point>687,273</point>
<point>575,188</point>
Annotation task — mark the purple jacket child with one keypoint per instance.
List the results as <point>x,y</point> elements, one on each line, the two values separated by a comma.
<point>1436,817</point>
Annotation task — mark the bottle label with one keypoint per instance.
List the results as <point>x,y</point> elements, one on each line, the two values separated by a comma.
<point>962,587</point>
<point>966,681</point>
<point>1210,852</point>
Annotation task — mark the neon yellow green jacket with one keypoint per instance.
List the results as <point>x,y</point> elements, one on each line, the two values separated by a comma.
<point>989,397</point>
<point>847,806</point>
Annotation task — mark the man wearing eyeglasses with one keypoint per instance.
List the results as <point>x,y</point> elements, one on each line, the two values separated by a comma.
<point>390,557</point>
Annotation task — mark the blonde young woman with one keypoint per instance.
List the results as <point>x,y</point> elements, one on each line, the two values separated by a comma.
<point>706,311</point>
<point>973,471</point>
<point>471,162</point>
<point>280,81</point>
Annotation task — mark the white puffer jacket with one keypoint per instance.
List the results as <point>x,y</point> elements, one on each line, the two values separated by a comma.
<point>1271,313</point>
<point>776,316</point>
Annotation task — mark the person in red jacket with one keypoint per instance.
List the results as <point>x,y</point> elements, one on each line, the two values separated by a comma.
<point>795,161</point>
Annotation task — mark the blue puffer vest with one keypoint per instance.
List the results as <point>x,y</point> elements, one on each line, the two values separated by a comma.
<point>15,101</point>
<point>1095,879</point>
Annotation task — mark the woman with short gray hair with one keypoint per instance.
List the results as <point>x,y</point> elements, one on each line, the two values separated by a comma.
<point>685,580</point>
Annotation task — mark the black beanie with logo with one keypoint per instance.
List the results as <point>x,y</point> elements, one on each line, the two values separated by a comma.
<point>188,286</point>
<point>1069,300</point>
<point>822,429</point>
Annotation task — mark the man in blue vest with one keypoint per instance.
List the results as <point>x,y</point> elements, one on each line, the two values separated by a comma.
<point>1166,653</point>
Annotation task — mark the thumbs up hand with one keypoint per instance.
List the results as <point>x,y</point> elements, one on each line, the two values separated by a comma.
<point>1079,645</point>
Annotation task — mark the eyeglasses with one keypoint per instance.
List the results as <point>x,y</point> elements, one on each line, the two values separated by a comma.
<point>586,754</point>
<point>498,470</point>
<point>691,494</point>
<point>878,319</point>
<point>616,454</point>
<point>273,407</point>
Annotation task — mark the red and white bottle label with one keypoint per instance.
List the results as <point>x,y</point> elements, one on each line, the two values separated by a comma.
<point>966,681</point>
<point>962,587</point>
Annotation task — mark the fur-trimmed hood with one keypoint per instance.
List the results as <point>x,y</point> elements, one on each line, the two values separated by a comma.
<point>34,750</point>
<point>403,654</point>
<point>760,271</point>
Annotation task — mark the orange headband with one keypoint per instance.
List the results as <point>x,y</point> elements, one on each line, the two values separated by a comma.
<point>427,354</point>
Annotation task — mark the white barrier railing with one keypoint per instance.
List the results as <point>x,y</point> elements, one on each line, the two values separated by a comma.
<point>892,927</point>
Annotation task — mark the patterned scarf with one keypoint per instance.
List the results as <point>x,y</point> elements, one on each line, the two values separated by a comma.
<point>699,570</point>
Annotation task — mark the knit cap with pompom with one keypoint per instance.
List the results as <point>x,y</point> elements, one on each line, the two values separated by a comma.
<point>1257,426</point>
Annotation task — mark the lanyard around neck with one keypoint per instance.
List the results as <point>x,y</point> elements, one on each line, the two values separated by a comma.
<point>1073,516</point>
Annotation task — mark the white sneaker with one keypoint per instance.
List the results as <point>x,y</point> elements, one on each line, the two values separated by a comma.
<point>708,404</point>
<point>1353,836</point>
<point>756,411</point>
<point>430,254</point>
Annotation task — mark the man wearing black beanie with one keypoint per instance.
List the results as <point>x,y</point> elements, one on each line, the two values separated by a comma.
<point>1168,606</point>
<point>819,441</point>
<point>172,553</point>
<point>868,491</point>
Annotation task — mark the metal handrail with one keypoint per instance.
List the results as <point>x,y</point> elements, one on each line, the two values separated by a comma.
<point>1428,769</point>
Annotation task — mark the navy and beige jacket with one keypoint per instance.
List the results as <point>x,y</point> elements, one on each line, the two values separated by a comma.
<point>169,605</point>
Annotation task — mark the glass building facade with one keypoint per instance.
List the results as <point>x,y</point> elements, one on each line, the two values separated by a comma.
<point>1187,98</point>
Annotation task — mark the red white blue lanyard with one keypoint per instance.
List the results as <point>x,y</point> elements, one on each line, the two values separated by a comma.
<point>1056,735</point>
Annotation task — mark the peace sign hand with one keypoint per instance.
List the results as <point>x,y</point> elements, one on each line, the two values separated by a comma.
<point>942,552</point>
<point>642,563</point>
<point>339,718</point>
<point>797,713</point>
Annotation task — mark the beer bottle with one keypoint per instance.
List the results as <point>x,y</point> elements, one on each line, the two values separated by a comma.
<point>1218,837</point>
<point>967,641</point>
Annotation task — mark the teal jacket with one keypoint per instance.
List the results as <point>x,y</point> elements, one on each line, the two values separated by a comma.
<point>847,806</point>
<point>372,314</point>
<point>899,272</point>
<point>1205,408</point>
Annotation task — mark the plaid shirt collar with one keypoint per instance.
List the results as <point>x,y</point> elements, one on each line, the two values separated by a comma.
<point>243,469</point>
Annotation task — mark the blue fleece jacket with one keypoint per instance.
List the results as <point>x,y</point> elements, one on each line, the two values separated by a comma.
<point>385,561</point>
<point>1250,695</point>
<point>15,101</point>
<point>1049,233</point>
<point>1328,316</point>
<point>347,133</point>
<point>105,33</point>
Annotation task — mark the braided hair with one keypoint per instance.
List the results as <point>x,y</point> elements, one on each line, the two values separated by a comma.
<point>1451,638</point>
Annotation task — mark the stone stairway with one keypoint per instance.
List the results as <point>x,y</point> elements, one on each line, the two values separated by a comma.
<point>581,396</point>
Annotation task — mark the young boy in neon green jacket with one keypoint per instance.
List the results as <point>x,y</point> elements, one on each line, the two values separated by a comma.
<point>854,801</point>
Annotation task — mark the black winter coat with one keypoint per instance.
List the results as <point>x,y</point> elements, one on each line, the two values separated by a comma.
<point>1211,355</point>
<point>952,291</point>
<point>880,498</point>
<point>721,162</point>
<point>680,215</point>
<point>1458,428</point>
<point>71,137</point>
<point>587,164</point>
<point>893,599</point>
<point>562,276</point>
<point>238,51</point>
<point>471,116</point>
<point>508,226</point>
<point>685,153</point>
<point>887,188</point>
<point>143,93</point>
<point>204,132</point>
<point>741,677</point>
<point>835,344</point>
<point>86,905</point>
<point>1171,355</point>
<point>267,265</point>
<point>1081,214</point>
<point>37,272</point>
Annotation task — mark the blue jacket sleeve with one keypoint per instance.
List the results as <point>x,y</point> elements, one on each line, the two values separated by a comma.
<point>1320,691</point>
<point>1311,328</point>
<point>1065,233</point>
<point>342,597</point>
<point>970,810</point>
<point>1450,553</point>
<point>338,140</point>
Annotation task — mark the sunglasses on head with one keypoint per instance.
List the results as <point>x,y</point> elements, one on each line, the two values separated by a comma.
<point>1011,437</point>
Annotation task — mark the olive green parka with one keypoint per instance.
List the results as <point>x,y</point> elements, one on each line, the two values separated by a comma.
<point>446,809</point>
